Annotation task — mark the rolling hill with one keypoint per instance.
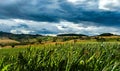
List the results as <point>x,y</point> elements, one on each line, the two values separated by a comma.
<point>16,37</point>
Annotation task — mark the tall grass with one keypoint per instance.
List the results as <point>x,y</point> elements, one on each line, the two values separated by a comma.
<point>65,57</point>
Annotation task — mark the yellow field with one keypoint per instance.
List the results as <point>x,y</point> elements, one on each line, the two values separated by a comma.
<point>8,41</point>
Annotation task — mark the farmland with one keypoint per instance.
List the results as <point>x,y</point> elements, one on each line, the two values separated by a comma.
<point>66,52</point>
<point>70,56</point>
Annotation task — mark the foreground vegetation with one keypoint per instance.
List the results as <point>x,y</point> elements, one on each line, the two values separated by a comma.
<point>62,57</point>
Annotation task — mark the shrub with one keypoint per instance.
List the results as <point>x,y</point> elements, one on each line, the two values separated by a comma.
<point>39,40</point>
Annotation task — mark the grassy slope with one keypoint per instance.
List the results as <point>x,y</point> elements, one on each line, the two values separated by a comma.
<point>5,40</point>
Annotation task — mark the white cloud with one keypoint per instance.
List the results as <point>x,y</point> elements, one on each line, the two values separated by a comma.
<point>21,31</point>
<point>18,20</point>
<point>19,26</point>
<point>74,1</point>
<point>69,27</point>
<point>110,5</point>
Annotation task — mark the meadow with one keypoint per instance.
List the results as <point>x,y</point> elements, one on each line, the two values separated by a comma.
<point>70,56</point>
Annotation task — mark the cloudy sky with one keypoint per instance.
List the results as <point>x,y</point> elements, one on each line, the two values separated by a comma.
<point>90,17</point>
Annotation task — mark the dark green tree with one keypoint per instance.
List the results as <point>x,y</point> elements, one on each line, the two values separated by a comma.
<point>39,40</point>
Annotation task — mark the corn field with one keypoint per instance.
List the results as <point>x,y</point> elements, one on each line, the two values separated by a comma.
<point>64,57</point>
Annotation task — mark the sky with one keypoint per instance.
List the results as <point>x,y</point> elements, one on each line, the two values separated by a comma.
<point>51,17</point>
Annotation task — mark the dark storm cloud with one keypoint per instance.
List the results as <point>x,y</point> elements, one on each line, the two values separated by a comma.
<point>57,10</point>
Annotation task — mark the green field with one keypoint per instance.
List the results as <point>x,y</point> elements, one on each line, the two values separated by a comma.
<point>98,56</point>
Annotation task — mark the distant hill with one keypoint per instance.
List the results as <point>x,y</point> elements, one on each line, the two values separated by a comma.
<point>107,34</point>
<point>71,35</point>
<point>17,37</point>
